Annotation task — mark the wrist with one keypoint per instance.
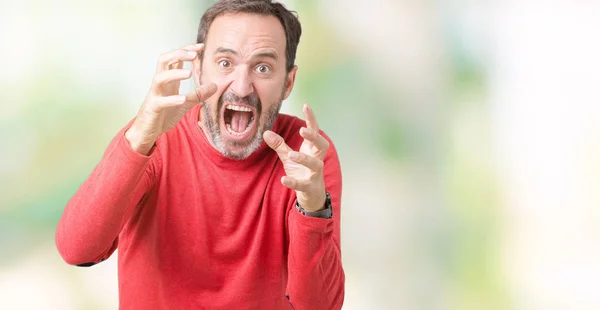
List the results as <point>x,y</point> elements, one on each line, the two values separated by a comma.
<point>316,206</point>
<point>138,142</point>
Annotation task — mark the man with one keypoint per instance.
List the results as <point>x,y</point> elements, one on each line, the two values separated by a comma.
<point>206,215</point>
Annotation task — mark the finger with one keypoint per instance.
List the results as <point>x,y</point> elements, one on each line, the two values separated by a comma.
<point>295,184</point>
<point>277,143</point>
<point>315,138</point>
<point>194,48</point>
<point>165,102</point>
<point>162,78</point>
<point>202,93</point>
<point>196,66</point>
<point>311,120</point>
<point>173,57</point>
<point>310,162</point>
<point>176,65</point>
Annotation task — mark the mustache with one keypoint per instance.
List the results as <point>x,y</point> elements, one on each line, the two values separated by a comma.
<point>230,97</point>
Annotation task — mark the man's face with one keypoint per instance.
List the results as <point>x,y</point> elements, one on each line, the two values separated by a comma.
<point>245,57</point>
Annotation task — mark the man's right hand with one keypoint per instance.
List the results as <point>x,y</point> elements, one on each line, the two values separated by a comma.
<point>163,107</point>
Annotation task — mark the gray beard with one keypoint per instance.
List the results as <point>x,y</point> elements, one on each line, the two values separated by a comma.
<point>211,122</point>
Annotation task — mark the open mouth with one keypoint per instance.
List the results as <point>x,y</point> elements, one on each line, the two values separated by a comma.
<point>238,120</point>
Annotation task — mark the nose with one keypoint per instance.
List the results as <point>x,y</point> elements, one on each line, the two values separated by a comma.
<point>241,84</point>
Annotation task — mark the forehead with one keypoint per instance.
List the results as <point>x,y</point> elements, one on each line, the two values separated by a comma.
<point>246,32</point>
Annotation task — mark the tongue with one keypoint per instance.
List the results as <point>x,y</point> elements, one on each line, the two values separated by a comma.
<point>239,121</point>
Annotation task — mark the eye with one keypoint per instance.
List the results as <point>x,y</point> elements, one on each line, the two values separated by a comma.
<point>263,69</point>
<point>225,63</point>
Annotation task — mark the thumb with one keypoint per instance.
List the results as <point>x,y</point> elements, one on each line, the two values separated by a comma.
<point>202,93</point>
<point>277,143</point>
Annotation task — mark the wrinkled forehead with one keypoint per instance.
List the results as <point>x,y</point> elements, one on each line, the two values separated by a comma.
<point>246,34</point>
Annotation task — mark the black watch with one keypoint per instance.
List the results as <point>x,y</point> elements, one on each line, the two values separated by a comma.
<point>326,213</point>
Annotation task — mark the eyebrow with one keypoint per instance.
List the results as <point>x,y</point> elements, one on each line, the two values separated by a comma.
<point>266,55</point>
<point>223,50</point>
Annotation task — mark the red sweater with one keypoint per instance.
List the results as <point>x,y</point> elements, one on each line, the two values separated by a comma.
<point>196,230</point>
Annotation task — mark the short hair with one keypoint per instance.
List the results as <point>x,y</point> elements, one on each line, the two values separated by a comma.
<point>289,21</point>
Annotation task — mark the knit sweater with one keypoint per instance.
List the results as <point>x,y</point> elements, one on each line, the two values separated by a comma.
<point>197,230</point>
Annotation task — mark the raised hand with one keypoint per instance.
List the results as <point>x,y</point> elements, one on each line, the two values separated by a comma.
<point>163,107</point>
<point>303,169</point>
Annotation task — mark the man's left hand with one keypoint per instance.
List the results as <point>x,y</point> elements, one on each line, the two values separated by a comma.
<point>303,169</point>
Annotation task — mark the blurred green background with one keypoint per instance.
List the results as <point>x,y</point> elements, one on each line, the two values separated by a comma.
<point>468,133</point>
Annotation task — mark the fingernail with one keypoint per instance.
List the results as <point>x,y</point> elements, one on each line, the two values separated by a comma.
<point>192,54</point>
<point>267,135</point>
<point>303,131</point>
<point>293,155</point>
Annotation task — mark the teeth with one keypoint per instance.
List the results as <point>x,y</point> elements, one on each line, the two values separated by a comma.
<point>238,108</point>
<point>234,133</point>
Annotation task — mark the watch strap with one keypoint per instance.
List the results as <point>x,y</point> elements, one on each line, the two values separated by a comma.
<point>326,213</point>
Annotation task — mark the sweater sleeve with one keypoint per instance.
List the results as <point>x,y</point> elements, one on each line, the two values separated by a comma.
<point>315,274</point>
<point>88,230</point>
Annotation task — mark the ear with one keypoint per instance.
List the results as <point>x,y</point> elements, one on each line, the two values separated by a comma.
<point>290,79</point>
